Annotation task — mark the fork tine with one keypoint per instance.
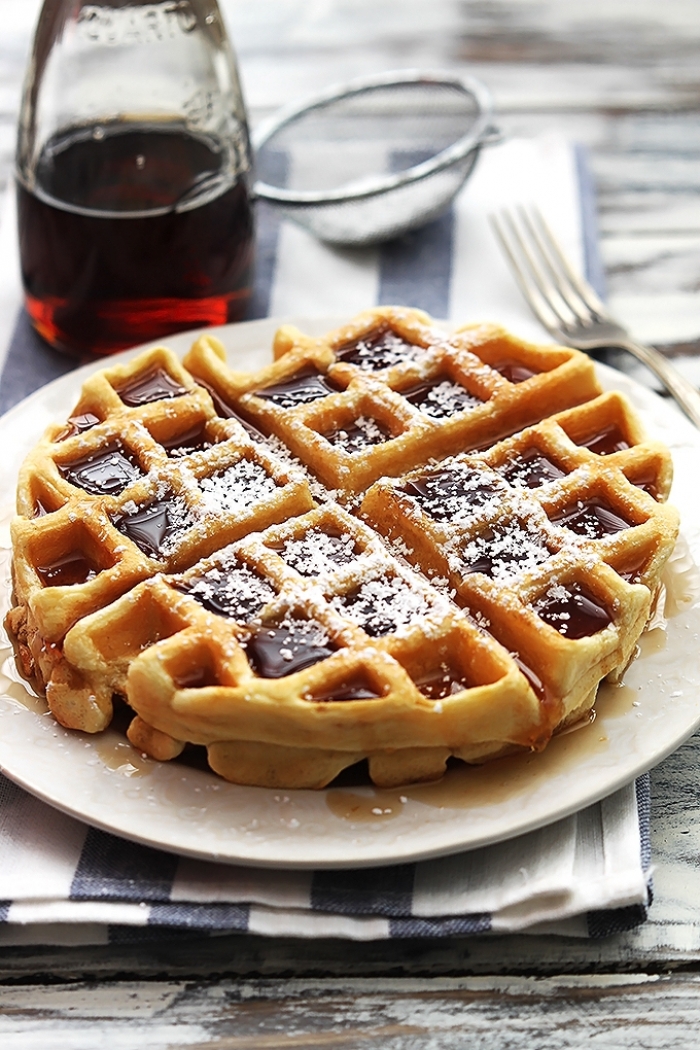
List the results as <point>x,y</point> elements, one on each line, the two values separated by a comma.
<point>597,328</point>
<point>553,259</point>
<point>583,289</point>
<point>537,304</point>
<point>559,312</point>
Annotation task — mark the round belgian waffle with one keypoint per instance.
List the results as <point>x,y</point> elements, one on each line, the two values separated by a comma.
<point>391,543</point>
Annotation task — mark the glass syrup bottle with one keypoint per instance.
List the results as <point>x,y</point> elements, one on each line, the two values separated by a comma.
<point>133,170</point>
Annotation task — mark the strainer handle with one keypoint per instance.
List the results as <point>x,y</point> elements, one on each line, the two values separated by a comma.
<point>492,136</point>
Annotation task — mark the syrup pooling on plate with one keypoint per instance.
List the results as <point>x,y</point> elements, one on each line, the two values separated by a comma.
<point>379,349</point>
<point>592,519</point>
<point>156,527</point>
<point>440,398</point>
<point>453,493</point>
<point>318,552</point>
<point>572,610</point>
<point>237,488</point>
<point>530,469</point>
<point>283,648</point>
<point>382,605</point>
<point>305,386</point>
<point>358,435</point>
<point>505,549</point>
<point>106,472</point>
<point>152,385</point>
<point>230,588</point>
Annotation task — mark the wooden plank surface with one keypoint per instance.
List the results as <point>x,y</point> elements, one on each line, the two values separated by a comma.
<point>653,1011</point>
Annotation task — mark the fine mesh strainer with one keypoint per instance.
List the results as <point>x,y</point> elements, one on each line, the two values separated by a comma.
<point>372,158</point>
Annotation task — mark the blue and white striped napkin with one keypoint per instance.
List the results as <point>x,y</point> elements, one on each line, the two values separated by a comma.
<point>64,883</point>
<point>587,875</point>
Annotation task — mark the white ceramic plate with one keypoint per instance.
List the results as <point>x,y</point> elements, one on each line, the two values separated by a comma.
<point>102,780</point>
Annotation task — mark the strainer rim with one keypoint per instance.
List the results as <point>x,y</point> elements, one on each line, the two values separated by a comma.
<point>373,186</point>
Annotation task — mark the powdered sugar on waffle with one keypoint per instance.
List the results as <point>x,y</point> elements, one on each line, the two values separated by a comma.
<point>365,431</point>
<point>506,549</point>
<point>295,468</point>
<point>460,491</point>
<point>557,594</point>
<point>318,552</point>
<point>180,519</point>
<point>383,605</point>
<point>447,398</point>
<point>391,350</point>
<point>236,488</point>
<point>233,588</point>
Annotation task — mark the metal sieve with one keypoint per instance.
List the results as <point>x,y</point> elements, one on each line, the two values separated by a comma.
<point>367,160</point>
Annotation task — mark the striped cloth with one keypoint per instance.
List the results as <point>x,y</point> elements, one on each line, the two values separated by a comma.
<point>587,875</point>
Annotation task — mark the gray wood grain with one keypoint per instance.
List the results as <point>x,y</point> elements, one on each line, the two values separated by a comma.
<point>612,1011</point>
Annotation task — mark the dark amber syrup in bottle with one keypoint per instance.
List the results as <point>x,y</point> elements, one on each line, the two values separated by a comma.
<point>130,232</point>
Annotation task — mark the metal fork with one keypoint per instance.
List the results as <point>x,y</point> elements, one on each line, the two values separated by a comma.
<point>568,307</point>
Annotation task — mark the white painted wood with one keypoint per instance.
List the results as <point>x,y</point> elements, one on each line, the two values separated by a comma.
<point>612,1011</point>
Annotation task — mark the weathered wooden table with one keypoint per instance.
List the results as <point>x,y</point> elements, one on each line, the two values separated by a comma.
<point>620,76</point>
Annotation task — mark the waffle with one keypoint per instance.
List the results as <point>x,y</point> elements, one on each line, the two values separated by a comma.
<point>381,546</point>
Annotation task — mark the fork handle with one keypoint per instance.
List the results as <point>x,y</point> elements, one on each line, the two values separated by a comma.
<point>681,390</point>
